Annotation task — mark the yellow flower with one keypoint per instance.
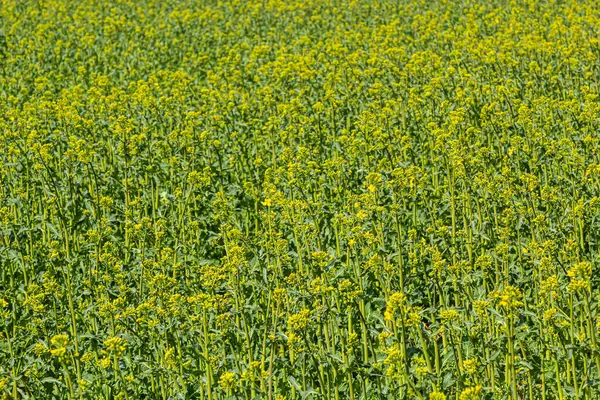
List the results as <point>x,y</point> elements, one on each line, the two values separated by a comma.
<point>299,321</point>
<point>580,275</point>
<point>509,298</point>
<point>104,362</point>
<point>437,396</point>
<point>228,380</point>
<point>470,366</point>
<point>472,393</point>
<point>449,315</point>
<point>397,307</point>
<point>115,345</point>
<point>60,343</point>
<point>59,352</point>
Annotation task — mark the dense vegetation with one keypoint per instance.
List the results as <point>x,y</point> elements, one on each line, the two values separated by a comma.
<point>299,199</point>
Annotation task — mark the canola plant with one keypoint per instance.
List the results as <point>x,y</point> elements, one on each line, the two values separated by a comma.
<point>299,199</point>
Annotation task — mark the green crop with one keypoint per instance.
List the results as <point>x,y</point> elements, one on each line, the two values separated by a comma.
<point>299,199</point>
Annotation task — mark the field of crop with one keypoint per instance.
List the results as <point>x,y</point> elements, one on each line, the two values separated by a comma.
<point>299,199</point>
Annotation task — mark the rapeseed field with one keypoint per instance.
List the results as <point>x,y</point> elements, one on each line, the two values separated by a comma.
<point>299,199</point>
